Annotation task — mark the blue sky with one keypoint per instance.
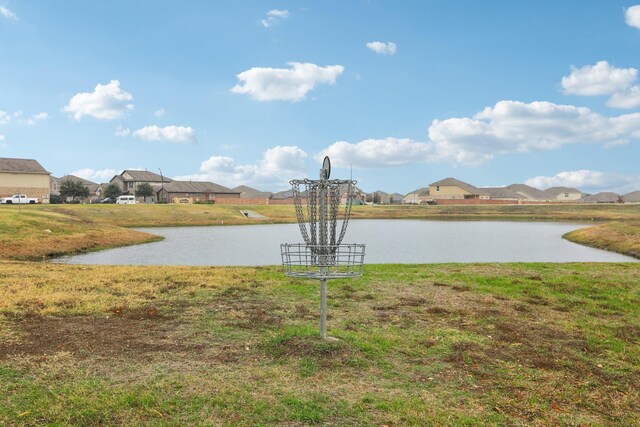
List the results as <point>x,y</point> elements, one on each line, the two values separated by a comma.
<point>404,93</point>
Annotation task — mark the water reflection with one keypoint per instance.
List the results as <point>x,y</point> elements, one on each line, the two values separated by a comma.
<point>388,241</point>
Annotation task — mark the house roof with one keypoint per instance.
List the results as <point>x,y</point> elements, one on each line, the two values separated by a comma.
<point>21,166</point>
<point>554,191</point>
<point>287,194</point>
<point>529,192</point>
<point>424,191</point>
<point>75,179</point>
<point>251,193</point>
<point>196,187</point>
<point>457,183</point>
<point>632,197</point>
<point>603,197</point>
<point>501,193</point>
<point>147,176</point>
<point>243,188</point>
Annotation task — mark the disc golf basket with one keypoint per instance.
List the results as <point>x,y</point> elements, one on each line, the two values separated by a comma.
<point>323,256</point>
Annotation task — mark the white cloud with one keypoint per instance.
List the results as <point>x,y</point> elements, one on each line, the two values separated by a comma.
<point>632,16</point>
<point>159,113</point>
<point>35,119</point>
<point>598,79</point>
<point>604,79</point>
<point>627,99</point>
<point>589,181</point>
<point>106,102</point>
<point>281,84</point>
<point>5,118</point>
<point>1,137</point>
<point>102,175</point>
<point>7,13</point>
<point>508,127</point>
<point>122,131</point>
<point>375,153</point>
<point>273,17</point>
<point>168,133</point>
<point>277,166</point>
<point>382,48</point>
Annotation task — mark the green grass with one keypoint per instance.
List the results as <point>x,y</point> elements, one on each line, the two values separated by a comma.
<point>449,344</point>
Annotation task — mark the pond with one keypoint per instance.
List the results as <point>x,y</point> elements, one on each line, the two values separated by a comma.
<point>388,241</point>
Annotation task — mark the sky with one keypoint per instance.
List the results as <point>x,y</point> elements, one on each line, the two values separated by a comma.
<point>398,94</point>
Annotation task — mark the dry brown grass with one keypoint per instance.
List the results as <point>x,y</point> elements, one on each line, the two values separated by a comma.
<point>622,237</point>
<point>515,344</point>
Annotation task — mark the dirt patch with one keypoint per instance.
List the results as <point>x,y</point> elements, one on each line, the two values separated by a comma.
<point>628,333</point>
<point>128,334</point>
<point>245,308</point>
<point>310,346</point>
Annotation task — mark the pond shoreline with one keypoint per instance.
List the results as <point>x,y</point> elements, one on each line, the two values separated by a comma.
<point>387,240</point>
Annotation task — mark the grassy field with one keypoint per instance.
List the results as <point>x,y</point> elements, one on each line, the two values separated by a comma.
<point>453,344</point>
<point>34,234</point>
<point>51,230</point>
<point>514,344</point>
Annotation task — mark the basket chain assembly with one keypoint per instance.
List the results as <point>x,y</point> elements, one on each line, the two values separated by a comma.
<point>322,255</point>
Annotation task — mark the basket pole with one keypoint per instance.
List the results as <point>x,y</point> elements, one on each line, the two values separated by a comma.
<point>323,308</point>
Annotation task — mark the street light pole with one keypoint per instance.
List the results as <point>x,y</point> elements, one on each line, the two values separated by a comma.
<point>161,182</point>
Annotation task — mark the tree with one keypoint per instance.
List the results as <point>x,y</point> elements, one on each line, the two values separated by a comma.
<point>112,191</point>
<point>376,198</point>
<point>144,190</point>
<point>73,189</point>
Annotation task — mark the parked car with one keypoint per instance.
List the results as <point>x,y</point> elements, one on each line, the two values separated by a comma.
<point>126,200</point>
<point>19,199</point>
<point>108,200</point>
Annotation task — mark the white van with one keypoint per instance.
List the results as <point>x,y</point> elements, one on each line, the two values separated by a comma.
<point>126,200</point>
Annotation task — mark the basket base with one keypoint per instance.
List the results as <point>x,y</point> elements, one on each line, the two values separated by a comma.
<point>322,262</point>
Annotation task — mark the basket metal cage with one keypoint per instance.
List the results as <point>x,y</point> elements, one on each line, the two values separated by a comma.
<point>322,262</point>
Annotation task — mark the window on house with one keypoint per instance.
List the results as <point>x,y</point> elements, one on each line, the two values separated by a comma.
<point>566,194</point>
<point>437,188</point>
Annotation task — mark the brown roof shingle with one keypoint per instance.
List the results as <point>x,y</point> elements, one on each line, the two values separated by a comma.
<point>21,166</point>
<point>197,187</point>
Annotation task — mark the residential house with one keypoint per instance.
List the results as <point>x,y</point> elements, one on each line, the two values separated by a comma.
<point>416,197</point>
<point>251,193</point>
<point>451,188</point>
<point>24,176</point>
<point>603,197</point>
<point>357,195</point>
<point>502,193</point>
<point>563,194</point>
<point>633,197</point>
<point>528,193</point>
<point>94,189</point>
<point>193,191</point>
<point>395,198</point>
<point>129,180</point>
<point>379,197</point>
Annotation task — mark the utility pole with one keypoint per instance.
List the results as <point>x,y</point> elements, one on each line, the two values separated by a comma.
<point>161,182</point>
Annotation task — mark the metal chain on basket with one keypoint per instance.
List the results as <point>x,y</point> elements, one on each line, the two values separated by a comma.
<point>295,185</point>
<point>347,211</point>
<point>334,202</point>
<point>312,208</point>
